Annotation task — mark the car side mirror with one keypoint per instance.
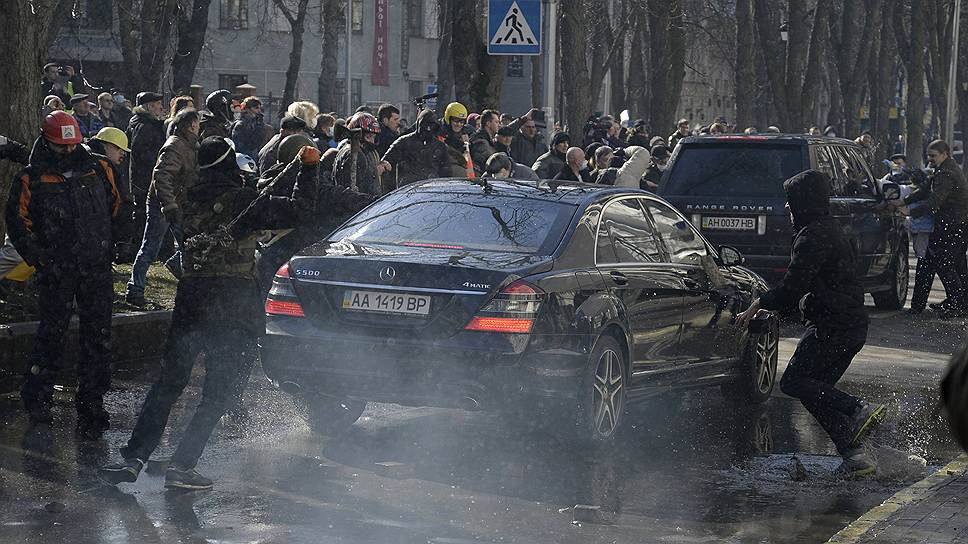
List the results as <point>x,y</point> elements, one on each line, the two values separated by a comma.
<point>890,190</point>
<point>731,256</point>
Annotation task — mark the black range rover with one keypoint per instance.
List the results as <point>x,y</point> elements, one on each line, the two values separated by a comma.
<point>731,188</point>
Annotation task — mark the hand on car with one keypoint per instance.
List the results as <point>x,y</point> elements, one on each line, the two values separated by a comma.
<point>383,167</point>
<point>743,319</point>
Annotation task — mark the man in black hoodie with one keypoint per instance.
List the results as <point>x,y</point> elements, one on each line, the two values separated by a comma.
<point>822,280</point>
<point>418,155</point>
<point>216,118</point>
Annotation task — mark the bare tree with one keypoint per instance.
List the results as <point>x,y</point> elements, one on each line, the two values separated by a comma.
<point>854,27</point>
<point>28,30</point>
<point>794,76</point>
<point>909,30</point>
<point>745,72</point>
<point>445,64</point>
<point>478,77</point>
<point>295,13</point>
<point>192,19</point>
<point>331,20</point>
<point>145,27</point>
<point>882,77</point>
<point>938,17</point>
<point>617,67</point>
<point>667,50</point>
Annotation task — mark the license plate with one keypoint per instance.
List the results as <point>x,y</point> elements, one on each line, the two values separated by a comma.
<point>728,223</point>
<point>388,303</point>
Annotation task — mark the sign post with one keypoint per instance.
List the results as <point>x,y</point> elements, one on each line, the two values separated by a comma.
<point>514,27</point>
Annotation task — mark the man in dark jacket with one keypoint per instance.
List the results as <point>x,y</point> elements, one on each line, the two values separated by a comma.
<point>60,214</point>
<point>216,118</point>
<point>945,198</point>
<point>249,132</point>
<point>290,125</point>
<point>218,306</point>
<point>146,135</point>
<point>548,165</point>
<point>682,131</point>
<point>822,280</point>
<point>389,117</point>
<point>418,155</point>
<point>660,160</point>
<point>358,166</point>
<point>528,144</point>
<point>574,168</point>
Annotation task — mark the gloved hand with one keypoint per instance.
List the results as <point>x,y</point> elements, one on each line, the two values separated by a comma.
<point>173,215</point>
<point>309,155</point>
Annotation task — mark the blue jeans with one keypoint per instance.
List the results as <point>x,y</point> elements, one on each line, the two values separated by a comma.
<point>156,227</point>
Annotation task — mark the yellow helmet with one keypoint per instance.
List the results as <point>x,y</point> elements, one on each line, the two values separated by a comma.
<point>455,110</point>
<point>114,136</point>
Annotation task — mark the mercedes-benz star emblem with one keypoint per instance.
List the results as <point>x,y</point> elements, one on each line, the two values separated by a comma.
<point>387,273</point>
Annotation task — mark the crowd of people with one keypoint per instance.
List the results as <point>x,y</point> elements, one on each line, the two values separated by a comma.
<point>232,198</point>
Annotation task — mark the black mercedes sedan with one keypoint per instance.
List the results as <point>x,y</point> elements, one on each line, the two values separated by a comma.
<point>564,302</point>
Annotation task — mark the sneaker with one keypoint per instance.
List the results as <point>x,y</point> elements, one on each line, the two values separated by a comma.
<point>126,471</point>
<point>176,478</point>
<point>869,416</point>
<point>856,465</point>
<point>137,301</point>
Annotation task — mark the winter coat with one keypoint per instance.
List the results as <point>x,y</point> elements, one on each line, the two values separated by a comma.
<point>947,196</point>
<point>674,138</point>
<point>249,134</point>
<point>146,135</point>
<point>630,173</point>
<point>334,203</point>
<point>62,210</point>
<point>268,153</point>
<point>90,125</point>
<point>548,165</point>
<point>482,147</point>
<point>16,152</point>
<point>218,199</point>
<point>414,159</point>
<point>455,164</point>
<point>527,151</point>
<point>212,125</point>
<point>385,139</point>
<point>175,172</point>
<point>522,172</point>
<point>365,178</point>
<point>654,175</point>
<point>567,174</point>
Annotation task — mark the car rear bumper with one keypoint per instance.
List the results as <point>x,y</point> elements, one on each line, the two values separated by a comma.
<point>469,370</point>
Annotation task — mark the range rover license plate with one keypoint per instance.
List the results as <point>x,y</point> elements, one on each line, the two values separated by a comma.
<point>728,223</point>
<point>388,303</point>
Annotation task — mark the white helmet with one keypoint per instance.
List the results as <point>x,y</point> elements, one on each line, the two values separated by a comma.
<point>246,164</point>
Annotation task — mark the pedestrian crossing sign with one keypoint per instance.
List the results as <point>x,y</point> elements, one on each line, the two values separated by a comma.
<point>514,27</point>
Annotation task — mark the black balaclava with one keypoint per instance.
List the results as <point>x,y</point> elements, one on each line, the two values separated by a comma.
<point>427,125</point>
<point>808,194</point>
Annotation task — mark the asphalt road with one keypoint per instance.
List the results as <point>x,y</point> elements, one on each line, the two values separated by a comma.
<point>691,469</point>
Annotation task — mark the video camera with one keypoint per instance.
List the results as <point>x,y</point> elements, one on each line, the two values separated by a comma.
<point>421,101</point>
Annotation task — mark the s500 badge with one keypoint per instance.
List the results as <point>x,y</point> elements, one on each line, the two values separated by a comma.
<point>307,272</point>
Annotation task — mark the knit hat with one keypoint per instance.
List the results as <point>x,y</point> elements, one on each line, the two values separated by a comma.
<point>560,137</point>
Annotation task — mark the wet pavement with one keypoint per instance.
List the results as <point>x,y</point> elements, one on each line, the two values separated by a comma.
<point>692,468</point>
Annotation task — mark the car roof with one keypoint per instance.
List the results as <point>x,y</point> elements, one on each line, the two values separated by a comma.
<point>571,192</point>
<point>769,137</point>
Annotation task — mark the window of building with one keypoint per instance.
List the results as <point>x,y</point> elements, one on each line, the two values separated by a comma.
<point>356,92</point>
<point>357,16</point>
<point>516,66</point>
<point>415,18</point>
<point>341,94</point>
<point>234,14</point>
<point>231,81</point>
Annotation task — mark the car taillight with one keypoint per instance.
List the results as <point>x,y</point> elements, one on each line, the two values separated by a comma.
<point>282,299</point>
<point>512,310</point>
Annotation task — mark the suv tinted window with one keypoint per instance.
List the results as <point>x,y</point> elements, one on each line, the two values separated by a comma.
<point>682,243</point>
<point>625,235</point>
<point>461,221</point>
<point>850,166</point>
<point>727,169</point>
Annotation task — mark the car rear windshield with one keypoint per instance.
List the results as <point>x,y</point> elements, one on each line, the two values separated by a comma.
<point>733,170</point>
<point>461,221</point>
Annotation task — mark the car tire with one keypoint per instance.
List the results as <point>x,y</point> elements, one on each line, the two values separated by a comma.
<point>330,416</point>
<point>895,297</point>
<point>756,376</point>
<point>602,394</point>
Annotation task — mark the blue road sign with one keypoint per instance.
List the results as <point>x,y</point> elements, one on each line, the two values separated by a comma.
<point>514,27</point>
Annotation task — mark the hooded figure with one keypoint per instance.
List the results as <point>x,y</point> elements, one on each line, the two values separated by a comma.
<point>216,118</point>
<point>822,280</point>
<point>218,306</point>
<point>418,155</point>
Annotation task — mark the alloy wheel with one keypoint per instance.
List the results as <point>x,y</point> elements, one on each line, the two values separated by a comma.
<point>766,354</point>
<point>903,277</point>
<point>609,397</point>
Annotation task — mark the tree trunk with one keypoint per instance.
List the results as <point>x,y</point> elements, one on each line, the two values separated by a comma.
<point>768,34</point>
<point>939,21</point>
<point>28,30</point>
<point>635,95</point>
<point>667,47</point>
<point>909,29</point>
<point>297,25</point>
<point>191,39</point>
<point>537,80</point>
<point>576,84</point>
<point>329,59</point>
<point>145,29</point>
<point>617,67</point>
<point>464,54</point>
<point>882,82</point>
<point>745,77</point>
<point>445,61</point>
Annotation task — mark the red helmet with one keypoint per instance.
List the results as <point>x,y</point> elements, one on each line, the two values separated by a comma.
<point>365,121</point>
<point>61,128</point>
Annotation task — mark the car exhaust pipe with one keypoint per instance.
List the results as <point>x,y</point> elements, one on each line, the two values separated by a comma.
<point>469,403</point>
<point>292,388</point>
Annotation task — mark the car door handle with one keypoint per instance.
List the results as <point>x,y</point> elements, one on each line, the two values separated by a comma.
<point>618,277</point>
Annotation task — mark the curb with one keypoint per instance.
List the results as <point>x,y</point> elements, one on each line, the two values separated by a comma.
<point>913,493</point>
<point>137,340</point>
